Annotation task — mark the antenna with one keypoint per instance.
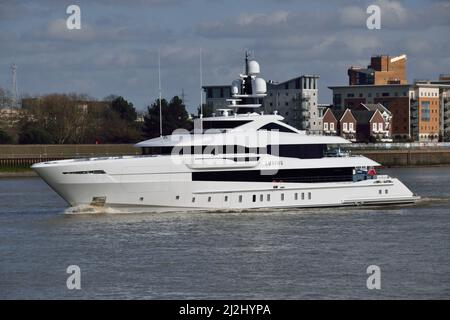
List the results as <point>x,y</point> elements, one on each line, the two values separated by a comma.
<point>159,89</point>
<point>201,92</point>
<point>15,94</point>
<point>183,96</point>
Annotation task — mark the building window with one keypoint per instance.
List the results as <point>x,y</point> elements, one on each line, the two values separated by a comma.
<point>385,94</point>
<point>369,94</point>
<point>177,197</point>
<point>309,195</point>
<point>337,99</point>
<point>254,198</point>
<point>296,196</point>
<point>380,191</point>
<point>193,199</point>
<point>386,191</point>
<point>282,197</point>
<point>374,127</point>
<point>240,198</point>
<point>350,95</point>
<point>350,126</point>
<point>303,196</point>
<point>380,126</point>
<point>226,198</point>
<point>344,126</point>
<point>261,197</point>
<point>332,126</point>
<point>209,199</point>
<point>325,125</point>
<point>268,197</point>
<point>425,114</point>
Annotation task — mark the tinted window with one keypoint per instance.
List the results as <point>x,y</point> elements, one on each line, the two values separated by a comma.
<point>275,126</point>
<point>302,151</point>
<point>230,124</point>
<point>287,175</point>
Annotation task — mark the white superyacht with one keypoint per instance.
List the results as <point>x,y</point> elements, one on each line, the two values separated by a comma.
<point>240,159</point>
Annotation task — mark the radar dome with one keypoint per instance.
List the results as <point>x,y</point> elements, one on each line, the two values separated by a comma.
<point>236,87</point>
<point>260,86</point>
<point>253,67</point>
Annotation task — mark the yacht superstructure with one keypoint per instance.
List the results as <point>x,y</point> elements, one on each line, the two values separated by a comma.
<point>240,159</point>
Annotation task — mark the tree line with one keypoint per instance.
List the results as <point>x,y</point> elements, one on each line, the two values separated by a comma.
<point>79,119</point>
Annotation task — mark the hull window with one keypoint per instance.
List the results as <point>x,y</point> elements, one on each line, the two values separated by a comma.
<point>86,172</point>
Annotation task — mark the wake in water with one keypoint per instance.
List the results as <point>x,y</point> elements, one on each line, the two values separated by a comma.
<point>87,209</point>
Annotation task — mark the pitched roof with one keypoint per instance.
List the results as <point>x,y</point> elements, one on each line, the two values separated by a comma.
<point>337,113</point>
<point>376,106</point>
<point>363,116</point>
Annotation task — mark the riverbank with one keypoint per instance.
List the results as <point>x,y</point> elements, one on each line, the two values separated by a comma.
<point>15,160</point>
<point>21,174</point>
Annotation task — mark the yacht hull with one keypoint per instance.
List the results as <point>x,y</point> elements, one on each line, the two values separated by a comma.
<point>175,191</point>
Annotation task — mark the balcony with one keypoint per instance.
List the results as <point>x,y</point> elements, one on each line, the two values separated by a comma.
<point>305,97</point>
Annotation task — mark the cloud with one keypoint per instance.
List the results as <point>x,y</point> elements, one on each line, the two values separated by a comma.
<point>116,49</point>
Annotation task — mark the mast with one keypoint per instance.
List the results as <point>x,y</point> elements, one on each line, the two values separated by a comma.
<point>201,92</point>
<point>159,90</point>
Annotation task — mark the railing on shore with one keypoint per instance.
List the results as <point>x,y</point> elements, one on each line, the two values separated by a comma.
<point>388,154</point>
<point>397,146</point>
<point>26,155</point>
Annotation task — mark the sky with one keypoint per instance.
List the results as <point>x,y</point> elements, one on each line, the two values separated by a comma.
<point>116,49</point>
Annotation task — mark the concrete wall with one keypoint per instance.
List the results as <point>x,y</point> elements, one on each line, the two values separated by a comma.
<point>25,155</point>
<point>414,157</point>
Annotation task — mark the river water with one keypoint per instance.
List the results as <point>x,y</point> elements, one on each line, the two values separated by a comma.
<point>281,254</point>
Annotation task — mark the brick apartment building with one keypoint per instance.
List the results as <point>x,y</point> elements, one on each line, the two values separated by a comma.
<point>420,111</point>
<point>383,69</point>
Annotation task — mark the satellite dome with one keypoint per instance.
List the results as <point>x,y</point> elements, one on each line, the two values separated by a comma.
<point>253,67</point>
<point>236,87</point>
<point>260,86</point>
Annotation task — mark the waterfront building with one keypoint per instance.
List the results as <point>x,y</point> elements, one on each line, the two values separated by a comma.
<point>362,124</point>
<point>383,69</point>
<point>295,99</point>
<point>415,108</point>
